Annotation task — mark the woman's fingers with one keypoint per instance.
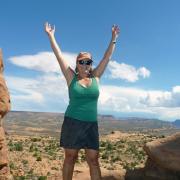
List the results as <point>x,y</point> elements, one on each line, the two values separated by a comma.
<point>49,28</point>
<point>46,25</point>
<point>115,28</point>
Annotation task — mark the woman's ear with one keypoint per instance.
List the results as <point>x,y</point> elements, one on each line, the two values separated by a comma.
<point>76,70</point>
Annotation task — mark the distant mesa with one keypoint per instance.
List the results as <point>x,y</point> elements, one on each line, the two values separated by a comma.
<point>176,123</point>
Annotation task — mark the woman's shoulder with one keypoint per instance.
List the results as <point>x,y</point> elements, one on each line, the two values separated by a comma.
<point>72,76</point>
<point>95,77</point>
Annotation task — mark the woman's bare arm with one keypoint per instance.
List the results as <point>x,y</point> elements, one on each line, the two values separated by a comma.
<point>65,67</point>
<point>98,71</point>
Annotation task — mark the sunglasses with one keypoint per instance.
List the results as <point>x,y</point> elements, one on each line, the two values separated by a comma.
<point>86,62</point>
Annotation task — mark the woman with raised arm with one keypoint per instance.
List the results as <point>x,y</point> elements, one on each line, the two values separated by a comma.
<point>80,127</point>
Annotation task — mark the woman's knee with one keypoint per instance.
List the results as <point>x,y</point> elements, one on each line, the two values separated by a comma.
<point>71,156</point>
<point>92,159</point>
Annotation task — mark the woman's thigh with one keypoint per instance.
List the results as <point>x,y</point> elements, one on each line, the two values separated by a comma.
<point>71,153</point>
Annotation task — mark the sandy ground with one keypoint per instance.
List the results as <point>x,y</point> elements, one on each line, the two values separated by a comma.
<point>82,172</point>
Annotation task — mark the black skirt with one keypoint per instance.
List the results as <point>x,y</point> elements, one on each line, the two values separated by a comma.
<point>77,134</point>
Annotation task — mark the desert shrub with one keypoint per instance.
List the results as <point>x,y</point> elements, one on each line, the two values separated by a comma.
<point>30,172</point>
<point>31,148</point>
<point>110,168</point>
<point>119,144</point>
<point>53,145</point>
<point>39,158</point>
<point>105,155</point>
<point>132,164</point>
<point>35,139</point>
<point>36,154</point>
<point>17,146</point>
<point>20,178</point>
<point>42,178</point>
<point>109,146</point>
<point>12,165</point>
<point>24,161</point>
<point>115,158</point>
<point>102,143</point>
<point>122,141</point>
<point>55,168</point>
<point>162,136</point>
<point>51,153</point>
<point>10,143</point>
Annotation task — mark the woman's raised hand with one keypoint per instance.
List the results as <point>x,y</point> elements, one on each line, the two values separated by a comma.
<point>115,31</point>
<point>49,29</point>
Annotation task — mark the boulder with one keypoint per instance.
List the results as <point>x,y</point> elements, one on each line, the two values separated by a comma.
<point>4,108</point>
<point>165,152</point>
<point>3,149</point>
<point>4,94</point>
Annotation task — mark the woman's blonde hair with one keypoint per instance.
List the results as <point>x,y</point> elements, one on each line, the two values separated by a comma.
<point>84,55</point>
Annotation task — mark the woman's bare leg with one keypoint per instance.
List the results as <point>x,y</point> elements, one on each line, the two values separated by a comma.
<point>68,166</point>
<point>92,157</point>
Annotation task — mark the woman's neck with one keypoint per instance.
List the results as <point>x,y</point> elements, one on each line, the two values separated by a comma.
<point>80,76</point>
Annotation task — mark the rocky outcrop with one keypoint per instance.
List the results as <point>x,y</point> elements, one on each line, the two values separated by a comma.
<point>4,108</point>
<point>163,158</point>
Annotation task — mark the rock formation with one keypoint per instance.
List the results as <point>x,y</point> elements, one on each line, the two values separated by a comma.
<point>163,158</point>
<point>4,108</point>
<point>163,162</point>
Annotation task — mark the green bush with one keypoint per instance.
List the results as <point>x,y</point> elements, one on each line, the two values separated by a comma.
<point>20,178</point>
<point>39,158</point>
<point>12,165</point>
<point>109,146</point>
<point>17,146</point>
<point>105,155</point>
<point>31,148</point>
<point>35,139</point>
<point>24,161</point>
<point>42,178</point>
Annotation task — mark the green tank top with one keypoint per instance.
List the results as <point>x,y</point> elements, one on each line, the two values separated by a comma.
<point>83,100</point>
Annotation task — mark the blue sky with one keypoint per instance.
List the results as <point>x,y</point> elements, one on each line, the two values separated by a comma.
<point>142,78</point>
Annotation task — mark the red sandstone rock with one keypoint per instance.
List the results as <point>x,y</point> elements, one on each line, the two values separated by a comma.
<point>4,108</point>
<point>165,152</point>
<point>4,94</point>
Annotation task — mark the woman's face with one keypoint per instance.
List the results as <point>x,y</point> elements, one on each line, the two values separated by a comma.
<point>84,66</point>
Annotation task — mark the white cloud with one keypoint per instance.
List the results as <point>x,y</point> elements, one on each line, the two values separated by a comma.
<point>23,89</point>
<point>163,98</point>
<point>143,72</point>
<point>121,99</point>
<point>126,72</point>
<point>43,61</point>
<point>44,93</point>
<point>160,104</point>
<point>176,89</point>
